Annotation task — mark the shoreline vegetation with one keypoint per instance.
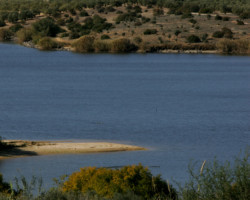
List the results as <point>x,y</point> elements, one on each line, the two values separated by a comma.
<point>115,26</point>
<point>20,148</point>
<point>210,180</point>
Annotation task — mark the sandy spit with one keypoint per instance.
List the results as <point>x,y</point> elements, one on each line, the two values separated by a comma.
<point>36,148</point>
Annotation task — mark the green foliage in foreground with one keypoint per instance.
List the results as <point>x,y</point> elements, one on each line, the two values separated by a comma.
<point>213,181</point>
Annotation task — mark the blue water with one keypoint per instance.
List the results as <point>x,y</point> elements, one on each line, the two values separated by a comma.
<point>180,107</point>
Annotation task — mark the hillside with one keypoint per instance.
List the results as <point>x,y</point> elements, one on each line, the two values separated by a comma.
<point>127,26</point>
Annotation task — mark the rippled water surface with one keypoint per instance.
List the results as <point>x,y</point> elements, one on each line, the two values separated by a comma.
<point>180,107</point>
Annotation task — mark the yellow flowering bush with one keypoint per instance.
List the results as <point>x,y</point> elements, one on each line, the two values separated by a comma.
<point>108,182</point>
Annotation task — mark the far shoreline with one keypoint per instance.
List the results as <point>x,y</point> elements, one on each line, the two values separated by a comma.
<point>23,148</point>
<point>163,51</point>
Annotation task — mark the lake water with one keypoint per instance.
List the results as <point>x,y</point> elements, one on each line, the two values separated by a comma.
<point>181,107</point>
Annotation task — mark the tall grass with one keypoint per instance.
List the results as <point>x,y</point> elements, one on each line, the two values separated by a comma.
<point>227,46</point>
<point>216,181</point>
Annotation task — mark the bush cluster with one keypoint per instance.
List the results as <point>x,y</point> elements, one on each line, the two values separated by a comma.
<point>150,31</point>
<point>95,23</point>
<point>193,39</point>
<point>88,44</point>
<point>225,32</point>
<point>158,11</point>
<point>129,16</point>
<point>46,27</point>
<point>5,35</point>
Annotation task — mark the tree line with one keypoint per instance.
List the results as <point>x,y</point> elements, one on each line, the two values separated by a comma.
<point>23,9</point>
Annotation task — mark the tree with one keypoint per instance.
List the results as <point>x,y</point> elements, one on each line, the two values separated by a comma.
<point>193,39</point>
<point>46,27</point>
<point>13,17</point>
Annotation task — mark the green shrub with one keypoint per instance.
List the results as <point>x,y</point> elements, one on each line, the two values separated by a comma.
<point>240,22</point>
<point>2,23</point>
<point>204,37</point>
<point>64,35</point>
<point>99,24</point>
<point>13,17</point>
<point>26,14</point>
<point>193,39</point>
<point>130,16</point>
<point>193,21</point>
<point>218,17</point>
<point>15,28</point>
<point>107,182</point>
<point>61,22</point>
<point>47,43</point>
<point>160,40</point>
<point>84,44</point>
<point>110,9</point>
<point>5,35</point>
<point>158,11</point>
<point>138,23</point>
<point>74,35</point>
<point>145,19</point>
<point>137,9</point>
<point>150,31</point>
<point>218,34</point>
<point>137,40</point>
<point>105,37</point>
<point>186,15</point>
<point>24,35</point>
<point>245,15</point>
<point>46,27</point>
<point>177,32</point>
<point>227,33</point>
<point>219,181</point>
<point>84,13</point>
<point>225,18</point>
<point>206,10</point>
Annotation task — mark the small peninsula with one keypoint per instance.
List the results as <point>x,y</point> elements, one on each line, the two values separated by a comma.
<point>20,148</point>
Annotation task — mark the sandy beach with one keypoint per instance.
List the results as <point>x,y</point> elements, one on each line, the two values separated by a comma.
<point>36,148</point>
